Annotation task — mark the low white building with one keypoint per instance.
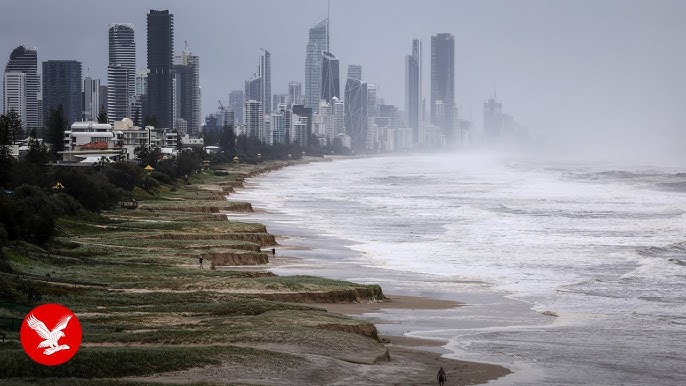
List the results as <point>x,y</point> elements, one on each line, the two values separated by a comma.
<point>90,142</point>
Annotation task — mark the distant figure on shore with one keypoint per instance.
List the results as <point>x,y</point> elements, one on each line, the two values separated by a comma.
<point>273,251</point>
<point>200,261</point>
<point>441,376</point>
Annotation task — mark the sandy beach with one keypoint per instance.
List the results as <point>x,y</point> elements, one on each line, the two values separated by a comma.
<point>410,360</point>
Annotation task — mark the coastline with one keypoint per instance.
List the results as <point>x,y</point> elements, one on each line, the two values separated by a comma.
<point>409,351</point>
<point>152,314</point>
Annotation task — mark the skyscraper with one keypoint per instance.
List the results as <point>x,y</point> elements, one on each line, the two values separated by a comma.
<point>259,86</point>
<point>355,119</point>
<point>91,98</point>
<point>338,112</point>
<point>317,44</point>
<point>25,60</point>
<point>14,91</point>
<point>304,115</point>
<point>493,118</point>
<point>141,83</point>
<point>62,86</point>
<point>187,84</point>
<point>355,71</point>
<point>160,55</point>
<point>254,119</point>
<point>278,99</point>
<point>295,95</point>
<point>265,73</point>
<point>253,88</point>
<point>330,80</point>
<point>413,88</point>
<point>236,99</point>
<point>121,71</point>
<point>443,82</point>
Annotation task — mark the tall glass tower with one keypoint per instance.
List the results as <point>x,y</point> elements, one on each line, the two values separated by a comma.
<point>413,88</point>
<point>443,83</point>
<point>317,44</point>
<point>330,80</point>
<point>160,65</point>
<point>62,86</point>
<point>121,71</point>
<point>25,60</point>
<point>265,73</point>
<point>355,112</point>
<point>355,71</point>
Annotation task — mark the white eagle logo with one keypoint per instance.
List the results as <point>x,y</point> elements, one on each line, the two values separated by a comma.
<point>51,337</point>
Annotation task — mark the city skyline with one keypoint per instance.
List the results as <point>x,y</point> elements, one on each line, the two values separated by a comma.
<point>550,81</point>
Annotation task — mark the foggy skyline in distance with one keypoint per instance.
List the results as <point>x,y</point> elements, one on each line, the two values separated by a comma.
<point>587,74</point>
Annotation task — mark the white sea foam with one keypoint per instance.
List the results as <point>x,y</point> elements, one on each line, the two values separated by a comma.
<point>590,243</point>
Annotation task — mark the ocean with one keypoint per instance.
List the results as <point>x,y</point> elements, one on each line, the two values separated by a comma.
<point>572,273</point>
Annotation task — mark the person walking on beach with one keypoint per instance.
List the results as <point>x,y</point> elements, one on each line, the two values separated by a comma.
<point>441,376</point>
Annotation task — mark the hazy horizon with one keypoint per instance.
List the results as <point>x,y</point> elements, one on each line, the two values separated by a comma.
<point>584,74</point>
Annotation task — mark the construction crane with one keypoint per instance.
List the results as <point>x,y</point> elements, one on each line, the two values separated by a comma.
<point>221,106</point>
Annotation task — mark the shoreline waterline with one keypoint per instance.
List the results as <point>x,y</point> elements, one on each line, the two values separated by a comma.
<point>302,251</point>
<point>580,265</point>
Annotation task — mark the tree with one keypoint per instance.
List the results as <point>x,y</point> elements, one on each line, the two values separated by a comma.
<point>38,152</point>
<point>56,126</point>
<point>6,160</point>
<point>148,156</point>
<point>188,162</point>
<point>227,141</point>
<point>14,126</point>
<point>102,115</point>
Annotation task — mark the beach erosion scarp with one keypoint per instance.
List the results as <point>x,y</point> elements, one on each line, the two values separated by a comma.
<point>154,306</point>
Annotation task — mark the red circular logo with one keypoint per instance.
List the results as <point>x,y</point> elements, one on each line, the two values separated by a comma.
<point>51,334</point>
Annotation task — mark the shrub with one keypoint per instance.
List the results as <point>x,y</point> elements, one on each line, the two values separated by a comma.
<point>65,204</point>
<point>163,178</point>
<point>149,184</point>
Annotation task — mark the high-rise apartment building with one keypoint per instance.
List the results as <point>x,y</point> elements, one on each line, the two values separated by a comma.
<point>187,90</point>
<point>141,83</point>
<point>62,86</point>
<point>413,89</point>
<point>236,104</point>
<point>254,119</point>
<point>278,99</point>
<point>301,115</point>
<point>25,60</point>
<point>14,91</point>
<point>121,71</point>
<point>259,86</point>
<point>338,112</point>
<point>443,83</point>
<point>493,118</point>
<point>160,65</point>
<point>330,80</point>
<point>317,44</point>
<point>91,99</point>
<point>295,96</point>
<point>265,74</point>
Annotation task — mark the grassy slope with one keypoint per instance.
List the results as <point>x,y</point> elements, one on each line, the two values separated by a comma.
<point>146,308</point>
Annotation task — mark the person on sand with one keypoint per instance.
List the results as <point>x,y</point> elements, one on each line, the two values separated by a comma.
<point>441,376</point>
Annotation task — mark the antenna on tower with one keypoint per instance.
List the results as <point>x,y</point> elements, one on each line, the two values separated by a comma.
<point>328,23</point>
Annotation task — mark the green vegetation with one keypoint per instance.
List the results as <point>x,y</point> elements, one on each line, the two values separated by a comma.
<point>110,362</point>
<point>133,279</point>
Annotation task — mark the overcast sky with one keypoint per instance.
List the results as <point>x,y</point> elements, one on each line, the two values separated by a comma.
<point>559,67</point>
